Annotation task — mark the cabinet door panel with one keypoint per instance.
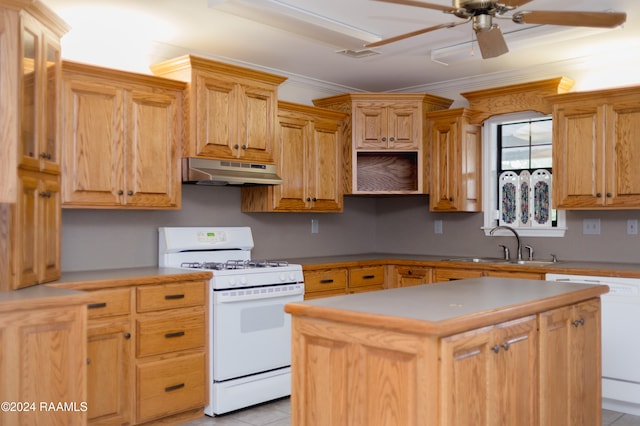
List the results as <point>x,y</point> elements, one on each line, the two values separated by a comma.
<point>404,127</point>
<point>215,117</point>
<point>578,151</point>
<point>325,174</point>
<point>153,164</point>
<point>369,127</point>
<point>255,124</point>
<point>443,167</point>
<point>26,238</point>
<point>50,228</point>
<point>293,164</point>
<point>93,144</point>
<point>623,152</point>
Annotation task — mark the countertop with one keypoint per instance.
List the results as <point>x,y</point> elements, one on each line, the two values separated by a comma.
<point>40,297</point>
<point>630,270</point>
<point>448,307</point>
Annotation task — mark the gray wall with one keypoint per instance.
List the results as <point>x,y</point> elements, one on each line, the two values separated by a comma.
<point>97,239</point>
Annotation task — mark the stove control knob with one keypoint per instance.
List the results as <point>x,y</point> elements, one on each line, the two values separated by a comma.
<point>292,276</point>
<point>232,282</point>
<point>243,280</point>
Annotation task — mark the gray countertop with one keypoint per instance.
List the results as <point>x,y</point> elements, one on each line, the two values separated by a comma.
<point>439,305</point>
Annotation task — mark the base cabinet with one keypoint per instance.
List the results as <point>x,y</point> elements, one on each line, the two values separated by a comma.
<point>407,276</point>
<point>571,381</point>
<point>42,365</point>
<point>351,370</point>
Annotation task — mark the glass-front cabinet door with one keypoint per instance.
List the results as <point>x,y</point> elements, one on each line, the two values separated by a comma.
<point>39,112</point>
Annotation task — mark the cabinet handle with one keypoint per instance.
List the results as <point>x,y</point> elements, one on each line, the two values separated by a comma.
<point>506,345</point>
<point>127,335</point>
<point>174,296</point>
<point>327,281</point>
<point>308,199</point>
<point>176,334</point>
<point>236,146</point>
<point>88,360</point>
<point>598,195</point>
<point>45,194</point>
<point>368,277</point>
<point>496,348</point>
<point>174,387</point>
<point>392,139</point>
<point>450,198</point>
<point>578,323</point>
<point>315,199</point>
<point>97,305</point>
<point>129,192</point>
<point>384,139</point>
<point>120,192</point>
<point>45,155</point>
<point>609,195</point>
<point>244,146</point>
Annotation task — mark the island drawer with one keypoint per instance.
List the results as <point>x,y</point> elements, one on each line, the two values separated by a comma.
<point>170,386</point>
<point>326,279</point>
<point>170,296</point>
<point>169,333</point>
<point>108,303</point>
<point>366,276</point>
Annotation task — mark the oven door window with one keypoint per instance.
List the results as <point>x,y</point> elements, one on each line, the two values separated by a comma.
<point>250,336</point>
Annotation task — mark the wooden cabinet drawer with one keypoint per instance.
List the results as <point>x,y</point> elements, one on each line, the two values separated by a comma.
<point>456,274</point>
<point>170,333</point>
<point>170,386</point>
<point>366,276</point>
<point>107,303</point>
<point>324,280</point>
<point>170,296</point>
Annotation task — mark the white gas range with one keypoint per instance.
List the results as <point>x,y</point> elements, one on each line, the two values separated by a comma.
<point>250,334</point>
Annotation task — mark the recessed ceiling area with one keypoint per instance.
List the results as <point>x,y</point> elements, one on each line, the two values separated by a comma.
<point>304,38</point>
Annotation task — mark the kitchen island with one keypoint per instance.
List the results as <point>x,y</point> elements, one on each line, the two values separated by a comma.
<point>481,351</point>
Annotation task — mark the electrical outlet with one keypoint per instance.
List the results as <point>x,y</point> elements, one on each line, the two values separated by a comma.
<point>437,226</point>
<point>632,227</point>
<point>591,226</point>
<point>314,226</point>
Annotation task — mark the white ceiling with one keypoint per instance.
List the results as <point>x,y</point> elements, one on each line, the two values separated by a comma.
<point>129,34</point>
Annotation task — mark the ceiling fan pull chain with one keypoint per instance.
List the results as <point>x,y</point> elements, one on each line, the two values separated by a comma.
<point>472,53</point>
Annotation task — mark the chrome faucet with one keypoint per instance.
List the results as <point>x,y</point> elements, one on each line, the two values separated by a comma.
<point>508,228</point>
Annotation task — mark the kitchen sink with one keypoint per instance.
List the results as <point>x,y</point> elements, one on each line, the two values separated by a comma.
<point>535,262</point>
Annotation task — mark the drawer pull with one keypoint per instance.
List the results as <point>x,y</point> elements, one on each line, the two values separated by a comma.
<point>174,296</point>
<point>368,277</point>
<point>327,281</point>
<point>174,387</point>
<point>176,334</point>
<point>97,305</point>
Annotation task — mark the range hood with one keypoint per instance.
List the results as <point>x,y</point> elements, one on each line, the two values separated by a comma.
<point>204,171</point>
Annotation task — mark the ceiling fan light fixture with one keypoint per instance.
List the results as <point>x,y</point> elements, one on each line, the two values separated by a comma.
<point>482,23</point>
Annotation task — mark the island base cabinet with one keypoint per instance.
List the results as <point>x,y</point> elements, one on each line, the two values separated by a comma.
<point>570,380</point>
<point>354,375</point>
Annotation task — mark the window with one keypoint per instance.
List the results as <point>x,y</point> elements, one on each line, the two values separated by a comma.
<point>518,176</point>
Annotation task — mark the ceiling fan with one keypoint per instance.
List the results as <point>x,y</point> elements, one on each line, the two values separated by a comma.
<point>488,34</point>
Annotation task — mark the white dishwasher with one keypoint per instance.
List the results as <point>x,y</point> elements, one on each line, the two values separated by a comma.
<point>620,340</point>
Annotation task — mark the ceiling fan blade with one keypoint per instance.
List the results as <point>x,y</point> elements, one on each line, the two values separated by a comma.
<point>514,3</point>
<point>574,19</point>
<point>421,4</point>
<point>491,42</point>
<point>412,34</point>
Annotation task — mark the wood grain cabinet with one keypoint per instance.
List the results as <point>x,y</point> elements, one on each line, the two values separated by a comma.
<point>325,282</point>
<point>29,144</point>
<point>452,274</point>
<point>42,361</point>
<point>109,366</point>
<point>571,382</point>
<point>121,139</point>
<point>384,140</point>
<point>366,278</point>
<point>308,153</point>
<point>407,276</point>
<point>231,111</point>
<point>455,162</point>
<point>596,149</point>
<point>486,375</point>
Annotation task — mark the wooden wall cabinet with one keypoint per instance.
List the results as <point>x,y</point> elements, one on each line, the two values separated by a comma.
<point>122,134</point>
<point>384,139</point>
<point>230,111</point>
<point>29,144</point>
<point>596,149</point>
<point>308,153</point>
<point>456,162</point>
<point>571,382</point>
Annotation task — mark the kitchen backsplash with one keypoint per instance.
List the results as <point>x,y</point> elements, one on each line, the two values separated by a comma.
<point>99,239</point>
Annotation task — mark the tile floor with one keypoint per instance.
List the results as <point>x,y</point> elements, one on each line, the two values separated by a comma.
<point>276,413</point>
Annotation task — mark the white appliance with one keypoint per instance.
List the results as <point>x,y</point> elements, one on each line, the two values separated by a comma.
<point>249,333</point>
<point>620,340</point>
